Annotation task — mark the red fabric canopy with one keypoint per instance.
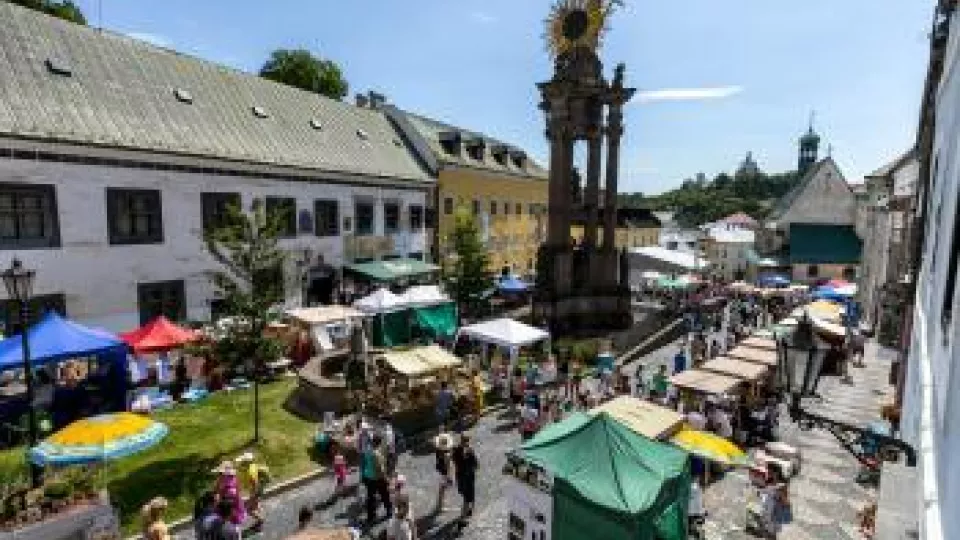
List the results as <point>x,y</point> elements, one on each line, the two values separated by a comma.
<point>838,283</point>
<point>158,335</point>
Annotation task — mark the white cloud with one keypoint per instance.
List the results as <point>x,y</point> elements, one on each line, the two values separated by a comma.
<point>153,39</point>
<point>689,94</point>
<point>482,17</point>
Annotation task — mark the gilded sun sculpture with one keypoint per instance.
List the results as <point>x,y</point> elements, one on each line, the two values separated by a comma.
<point>578,23</point>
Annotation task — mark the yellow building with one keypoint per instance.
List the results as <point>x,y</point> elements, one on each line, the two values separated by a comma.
<point>636,227</point>
<point>499,184</point>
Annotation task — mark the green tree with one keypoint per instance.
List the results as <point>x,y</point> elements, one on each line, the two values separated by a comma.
<point>249,280</point>
<point>64,9</point>
<point>466,274</point>
<point>301,69</point>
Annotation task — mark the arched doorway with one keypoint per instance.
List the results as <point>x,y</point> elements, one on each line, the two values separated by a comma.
<point>321,285</point>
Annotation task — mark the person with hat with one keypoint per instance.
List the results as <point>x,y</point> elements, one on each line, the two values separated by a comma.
<point>443,444</point>
<point>228,490</point>
<point>253,479</point>
<point>154,528</point>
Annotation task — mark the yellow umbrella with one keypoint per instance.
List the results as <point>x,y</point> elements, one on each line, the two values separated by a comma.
<point>709,446</point>
<point>97,439</point>
<point>823,309</point>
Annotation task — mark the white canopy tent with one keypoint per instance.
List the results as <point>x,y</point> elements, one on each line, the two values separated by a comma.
<point>380,301</point>
<point>505,333</point>
<point>424,295</point>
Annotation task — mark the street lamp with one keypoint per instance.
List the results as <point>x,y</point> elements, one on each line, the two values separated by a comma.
<point>799,367</point>
<point>19,284</point>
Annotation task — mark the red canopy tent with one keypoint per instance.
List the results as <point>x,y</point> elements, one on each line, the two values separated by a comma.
<point>158,335</point>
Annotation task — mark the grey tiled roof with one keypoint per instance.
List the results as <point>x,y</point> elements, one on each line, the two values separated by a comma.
<point>121,94</point>
<point>430,130</point>
<point>785,202</point>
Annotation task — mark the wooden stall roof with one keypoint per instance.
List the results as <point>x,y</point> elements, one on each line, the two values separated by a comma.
<point>760,343</point>
<point>737,368</point>
<point>750,354</point>
<point>647,419</point>
<point>705,381</point>
<point>420,360</point>
<point>323,314</point>
<point>322,534</point>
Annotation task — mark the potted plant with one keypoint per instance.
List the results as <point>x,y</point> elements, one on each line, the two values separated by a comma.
<point>58,492</point>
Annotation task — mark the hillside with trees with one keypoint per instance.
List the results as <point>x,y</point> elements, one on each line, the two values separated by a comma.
<point>702,201</point>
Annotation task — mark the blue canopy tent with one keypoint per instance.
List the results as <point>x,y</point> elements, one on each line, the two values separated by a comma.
<point>512,284</point>
<point>773,280</point>
<point>55,339</point>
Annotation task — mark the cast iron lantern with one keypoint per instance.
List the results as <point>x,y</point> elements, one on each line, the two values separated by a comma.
<point>800,362</point>
<point>18,281</point>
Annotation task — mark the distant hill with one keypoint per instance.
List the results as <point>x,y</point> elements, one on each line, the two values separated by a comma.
<point>703,201</point>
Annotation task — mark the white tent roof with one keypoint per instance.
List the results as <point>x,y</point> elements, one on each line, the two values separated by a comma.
<point>505,332</point>
<point>424,295</point>
<point>677,258</point>
<point>380,301</point>
<point>323,314</point>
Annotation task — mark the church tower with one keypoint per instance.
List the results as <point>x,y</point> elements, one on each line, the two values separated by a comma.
<point>809,144</point>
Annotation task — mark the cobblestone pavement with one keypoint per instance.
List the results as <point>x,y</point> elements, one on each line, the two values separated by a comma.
<point>825,497</point>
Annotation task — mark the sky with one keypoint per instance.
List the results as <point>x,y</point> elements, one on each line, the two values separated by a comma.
<point>715,78</point>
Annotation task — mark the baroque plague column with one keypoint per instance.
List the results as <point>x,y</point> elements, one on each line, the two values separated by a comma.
<point>585,286</point>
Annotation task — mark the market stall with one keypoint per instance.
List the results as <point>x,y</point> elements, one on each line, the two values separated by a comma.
<point>766,357</point>
<point>591,473</point>
<point>645,418</point>
<point>87,368</point>
<point>506,333</point>
<point>391,318</point>
<point>408,382</point>
<point>760,343</point>
<point>433,313</point>
<point>705,382</point>
<point>756,376</point>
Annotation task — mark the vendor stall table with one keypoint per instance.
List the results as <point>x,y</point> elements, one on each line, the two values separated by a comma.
<point>757,356</point>
<point>647,419</point>
<point>740,369</point>
<point>705,382</point>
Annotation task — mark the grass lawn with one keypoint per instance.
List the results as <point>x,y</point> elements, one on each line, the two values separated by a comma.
<point>201,436</point>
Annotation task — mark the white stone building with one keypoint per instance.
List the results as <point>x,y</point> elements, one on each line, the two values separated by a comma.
<point>115,155</point>
<point>729,249</point>
<point>931,390</point>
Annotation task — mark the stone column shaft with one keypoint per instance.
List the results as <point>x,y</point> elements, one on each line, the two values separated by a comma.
<point>591,199</point>
<point>614,132</point>
<point>561,167</point>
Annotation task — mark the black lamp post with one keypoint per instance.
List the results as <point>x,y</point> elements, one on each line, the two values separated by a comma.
<point>19,283</point>
<point>799,367</point>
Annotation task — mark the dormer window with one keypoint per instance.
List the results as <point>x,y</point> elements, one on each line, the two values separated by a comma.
<point>450,142</point>
<point>58,66</point>
<point>499,153</point>
<point>475,148</point>
<point>182,96</point>
<point>518,158</point>
<point>362,134</point>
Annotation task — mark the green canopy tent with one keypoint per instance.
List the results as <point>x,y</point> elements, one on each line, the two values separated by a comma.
<point>608,478</point>
<point>392,271</point>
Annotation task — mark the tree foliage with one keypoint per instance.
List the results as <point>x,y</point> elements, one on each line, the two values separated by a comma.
<point>249,280</point>
<point>64,9</point>
<point>695,203</point>
<point>303,70</point>
<point>466,276</point>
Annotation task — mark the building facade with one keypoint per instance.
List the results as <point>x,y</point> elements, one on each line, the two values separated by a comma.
<point>499,184</point>
<point>636,227</point>
<point>728,248</point>
<point>810,234</point>
<point>929,381</point>
<point>116,156</point>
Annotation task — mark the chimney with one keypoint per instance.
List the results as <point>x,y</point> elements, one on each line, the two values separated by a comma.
<point>376,100</point>
<point>362,101</point>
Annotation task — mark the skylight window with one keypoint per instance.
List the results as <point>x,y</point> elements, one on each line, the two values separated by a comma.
<point>58,66</point>
<point>362,134</point>
<point>182,95</point>
<point>260,112</point>
<point>316,124</point>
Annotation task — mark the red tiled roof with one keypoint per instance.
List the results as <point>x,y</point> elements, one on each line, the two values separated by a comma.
<point>739,218</point>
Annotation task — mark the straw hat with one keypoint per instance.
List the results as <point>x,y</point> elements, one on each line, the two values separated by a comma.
<point>444,441</point>
<point>225,468</point>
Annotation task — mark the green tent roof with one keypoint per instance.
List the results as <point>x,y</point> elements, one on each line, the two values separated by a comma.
<point>824,244</point>
<point>392,270</point>
<point>608,476</point>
